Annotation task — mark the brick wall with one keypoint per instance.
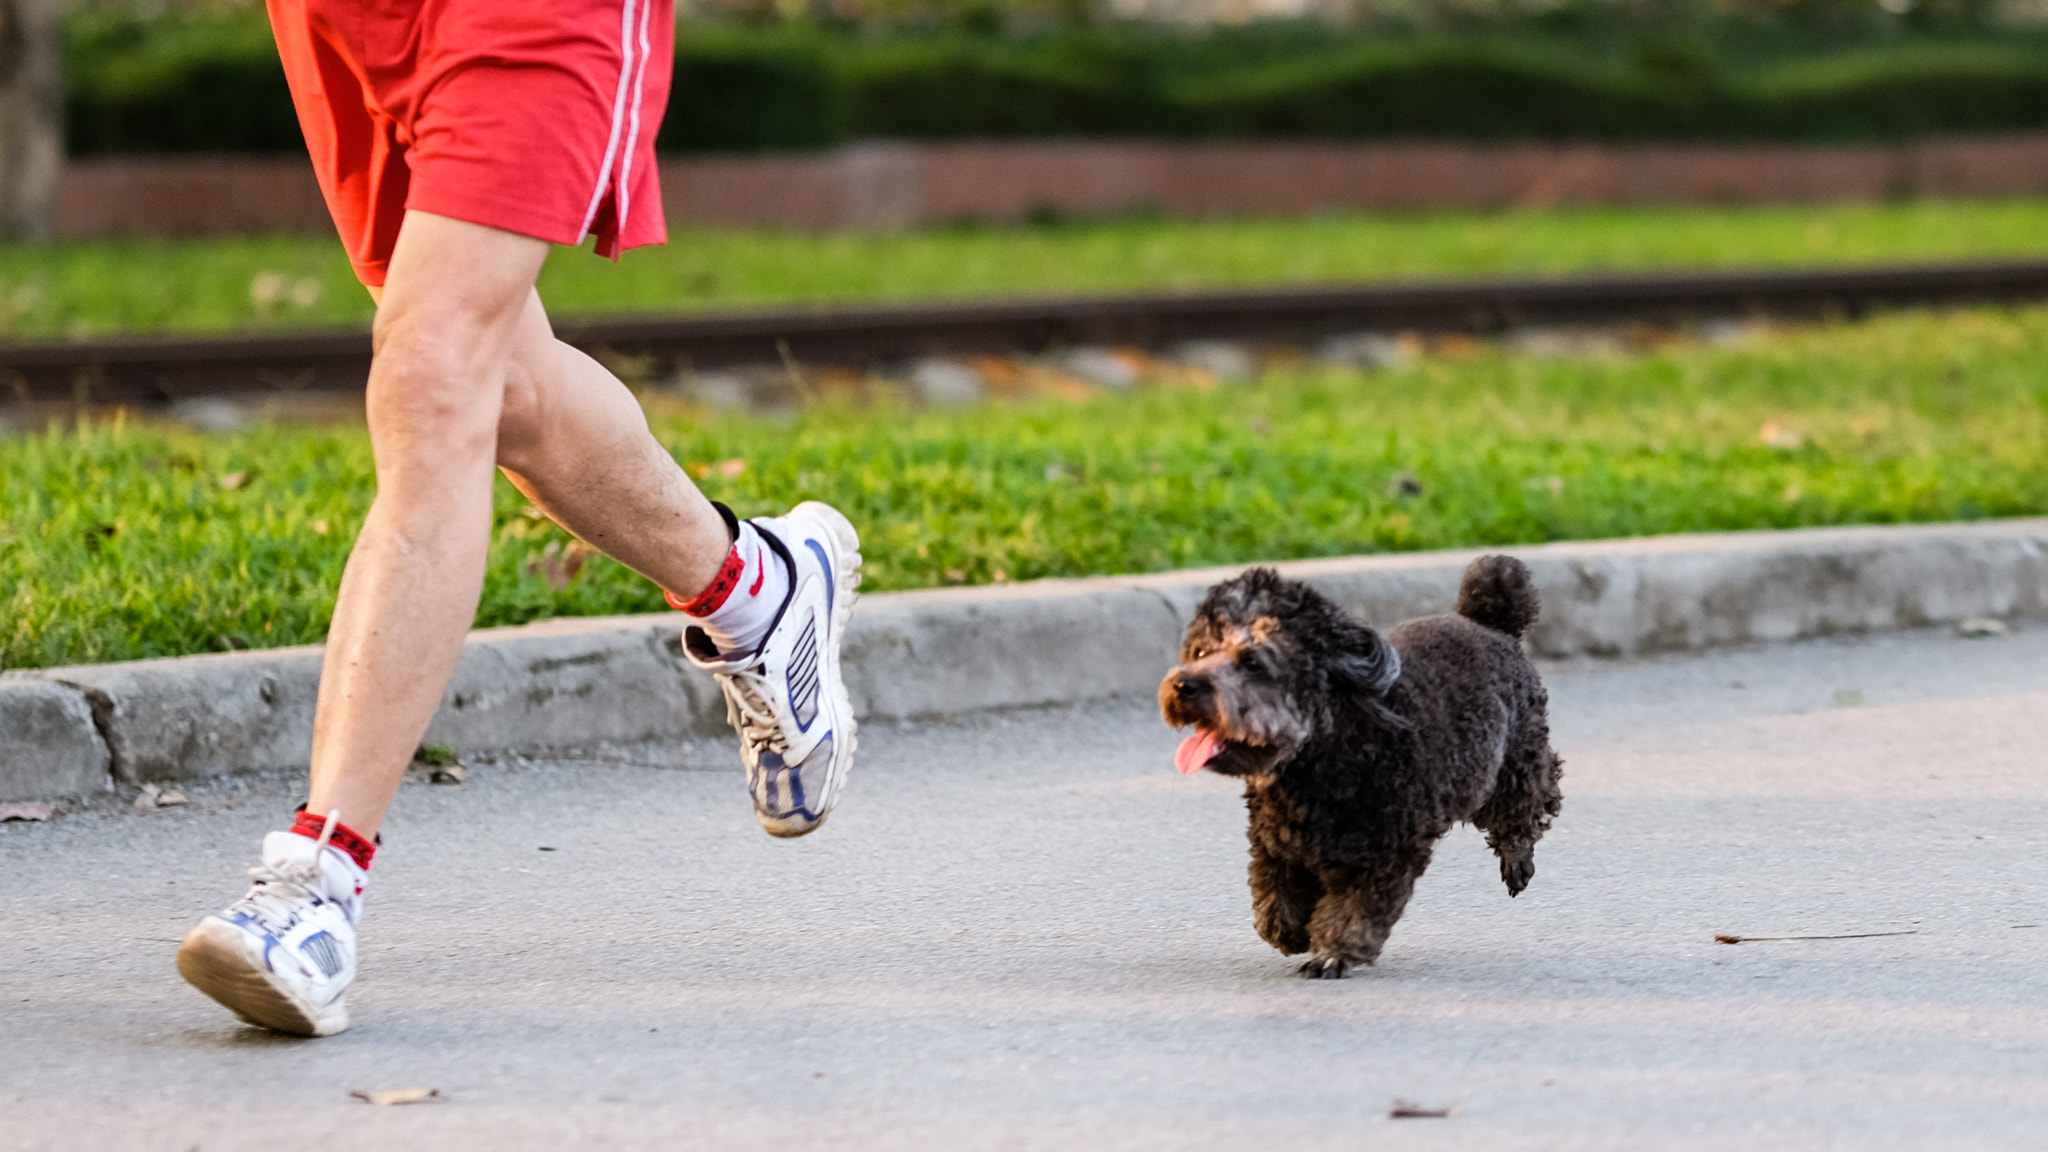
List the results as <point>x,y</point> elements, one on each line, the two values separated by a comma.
<point>891,185</point>
<point>179,196</point>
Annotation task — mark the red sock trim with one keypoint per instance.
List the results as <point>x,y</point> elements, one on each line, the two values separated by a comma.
<point>344,838</point>
<point>714,596</point>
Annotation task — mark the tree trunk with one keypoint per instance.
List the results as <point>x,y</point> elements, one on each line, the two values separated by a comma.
<point>31,116</point>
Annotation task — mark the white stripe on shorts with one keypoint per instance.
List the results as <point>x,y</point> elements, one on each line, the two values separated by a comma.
<point>633,135</point>
<point>611,144</point>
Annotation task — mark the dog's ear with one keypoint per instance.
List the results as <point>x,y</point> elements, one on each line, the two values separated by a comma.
<point>1368,664</point>
<point>1368,667</point>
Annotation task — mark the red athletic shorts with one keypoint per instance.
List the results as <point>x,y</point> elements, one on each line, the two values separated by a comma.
<point>535,116</point>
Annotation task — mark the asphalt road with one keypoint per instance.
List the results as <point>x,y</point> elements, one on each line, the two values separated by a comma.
<point>1025,931</point>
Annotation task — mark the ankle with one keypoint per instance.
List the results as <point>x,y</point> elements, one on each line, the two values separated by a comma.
<point>358,848</point>
<point>740,606</point>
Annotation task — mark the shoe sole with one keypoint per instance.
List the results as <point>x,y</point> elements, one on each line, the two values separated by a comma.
<point>846,560</point>
<point>223,962</point>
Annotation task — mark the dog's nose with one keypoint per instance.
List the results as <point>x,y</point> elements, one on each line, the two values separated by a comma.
<point>1189,687</point>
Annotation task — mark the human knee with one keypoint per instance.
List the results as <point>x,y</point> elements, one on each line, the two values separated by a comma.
<point>432,395</point>
<point>432,405</point>
<point>526,397</point>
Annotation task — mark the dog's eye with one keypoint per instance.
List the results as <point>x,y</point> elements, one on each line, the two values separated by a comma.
<point>1252,660</point>
<point>1197,652</point>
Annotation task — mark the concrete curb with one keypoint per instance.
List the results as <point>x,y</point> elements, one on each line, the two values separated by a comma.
<point>564,685</point>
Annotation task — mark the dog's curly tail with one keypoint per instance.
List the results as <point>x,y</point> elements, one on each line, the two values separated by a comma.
<point>1499,593</point>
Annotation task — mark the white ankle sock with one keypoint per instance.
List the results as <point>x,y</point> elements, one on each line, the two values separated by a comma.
<point>341,878</point>
<point>756,581</point>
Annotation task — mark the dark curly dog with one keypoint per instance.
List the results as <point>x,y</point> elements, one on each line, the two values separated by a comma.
<point>1359,752</point>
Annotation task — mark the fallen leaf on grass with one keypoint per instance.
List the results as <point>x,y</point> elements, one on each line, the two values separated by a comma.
<point>1410,1110</point>
<point>400,1096</point>
<point>559,565</point>
<point>729,469</point>
<point>1776,435</point>
<point>154,796</point>
<point>26,812</point>
<point>234,480</point>
<point>1455,346</point>
<point>1004,377</point>
<point>1061,386</point>
<point>1724,938</point>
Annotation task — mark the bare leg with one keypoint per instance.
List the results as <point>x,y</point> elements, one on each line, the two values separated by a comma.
<point>575,441</point>
<point>456,314</point>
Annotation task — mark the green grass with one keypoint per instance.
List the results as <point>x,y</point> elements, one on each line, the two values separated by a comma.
<point>120,541</point>
<point>221,285</point>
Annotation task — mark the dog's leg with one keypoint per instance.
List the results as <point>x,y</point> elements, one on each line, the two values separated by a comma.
<point>1525,798</point>
<point>1357,913</point>
<point>1284,896</point>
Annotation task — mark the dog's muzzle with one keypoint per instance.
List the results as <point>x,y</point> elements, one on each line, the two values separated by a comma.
<point>1187,700</point>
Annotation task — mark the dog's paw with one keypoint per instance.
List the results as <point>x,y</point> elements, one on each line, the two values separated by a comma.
<point>1326,968</point>
<point>1517,871</point>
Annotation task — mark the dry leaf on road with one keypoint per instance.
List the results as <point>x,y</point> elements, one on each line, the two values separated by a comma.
<point>400,1096</point>
<point>1724,938</point>
<point>154,796</point>
<point>1410,1110</point>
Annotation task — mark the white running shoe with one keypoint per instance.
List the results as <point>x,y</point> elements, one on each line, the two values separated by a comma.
<point>787,701</point>
<point>282,956</point>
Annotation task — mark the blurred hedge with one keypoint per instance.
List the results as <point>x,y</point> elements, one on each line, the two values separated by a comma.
<point>178,84</point>
<point>175,84</point>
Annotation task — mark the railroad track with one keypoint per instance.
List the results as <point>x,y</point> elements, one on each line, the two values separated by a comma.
<point>148,370</point>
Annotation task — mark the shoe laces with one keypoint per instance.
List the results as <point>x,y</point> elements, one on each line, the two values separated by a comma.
<point>280,892</point>
<point>282,889</point>
<point>750,712</point>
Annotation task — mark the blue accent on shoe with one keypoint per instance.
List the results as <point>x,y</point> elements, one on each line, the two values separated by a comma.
<point>252,926</point>
<point>772,767</point>
<point>325,952</point>
<point>800,680</point>
<point>795,777</point>
<point>831,577</point>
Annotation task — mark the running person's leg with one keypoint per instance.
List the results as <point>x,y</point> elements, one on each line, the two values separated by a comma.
<point>468,374</point>
<point>448,205</point>
<point>445,328</point>
<point>455,308</point>
<point>767,620</point>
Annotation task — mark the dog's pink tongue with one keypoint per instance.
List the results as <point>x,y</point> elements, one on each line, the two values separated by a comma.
<point>1196,751</point>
